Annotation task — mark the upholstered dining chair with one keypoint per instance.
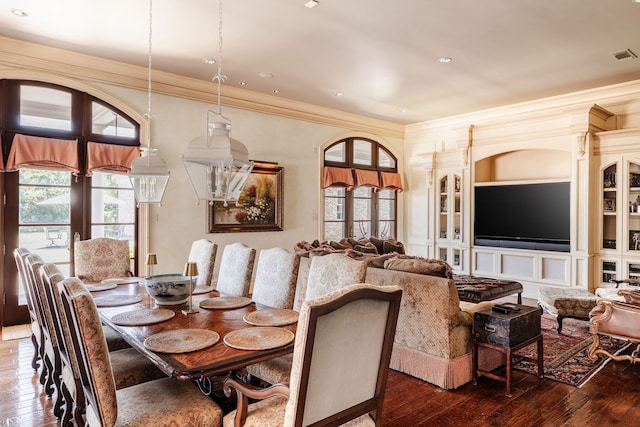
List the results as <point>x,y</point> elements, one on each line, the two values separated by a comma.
<point>203,253</point>
<point>53,382</point>
<point>276,275</point>
<point>160,402</point>
<point>236,268</point>
<point>340,364</point>
<point>101,258</point>
<point>129,366</point>
<point>618,320</point>
<point>36,330</point>
<point>327,273</point>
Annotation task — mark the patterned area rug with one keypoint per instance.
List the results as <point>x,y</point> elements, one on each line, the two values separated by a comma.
<point>566,357</point>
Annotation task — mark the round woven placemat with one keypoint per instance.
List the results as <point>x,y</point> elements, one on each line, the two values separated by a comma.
<point>122,280</point>
<point>116,300</point>
<point>95,287</point>
<point>222,303</point>
<point>271,317</point>
<point>181,340</point>
<point>259,338</point>
<point>144,316</point>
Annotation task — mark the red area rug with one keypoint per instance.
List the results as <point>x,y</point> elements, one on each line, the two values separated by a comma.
<point>566,358</point>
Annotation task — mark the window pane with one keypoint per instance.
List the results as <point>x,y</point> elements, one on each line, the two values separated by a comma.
<point>362,152</point>
<point>333,208</point>
<point>335,153</point>
<point>386,209</point>
<point>361,229</point>
<point>45,203</point>
<point>384,159</point>
<point>334,230</point>
<point>45,108</point>
<point>113,206</point>
<point>107,122</point>
<point>385,229</point>
<point>362,207</point>
<point>334,192</point>
<point>40,176</point>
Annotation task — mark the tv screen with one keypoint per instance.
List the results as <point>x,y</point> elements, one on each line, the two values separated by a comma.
<point>528,216</point>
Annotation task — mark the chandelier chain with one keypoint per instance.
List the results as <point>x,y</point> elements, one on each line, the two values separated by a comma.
<point>148,115</point>
<point>219,77</point>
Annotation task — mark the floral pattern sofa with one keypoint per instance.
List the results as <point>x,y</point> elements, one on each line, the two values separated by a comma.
<point>434,332</point>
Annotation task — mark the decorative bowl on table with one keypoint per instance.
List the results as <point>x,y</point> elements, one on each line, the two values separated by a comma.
<point>169,289</point>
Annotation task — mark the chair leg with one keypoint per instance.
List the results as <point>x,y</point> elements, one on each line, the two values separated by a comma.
<point>560,318</point>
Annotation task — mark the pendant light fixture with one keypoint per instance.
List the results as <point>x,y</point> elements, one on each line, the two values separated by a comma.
<point>217,165</point>
<point>149,174</point>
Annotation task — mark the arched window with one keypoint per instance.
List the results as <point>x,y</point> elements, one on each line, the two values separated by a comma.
<point>65,155</point>
<point>360,185</point>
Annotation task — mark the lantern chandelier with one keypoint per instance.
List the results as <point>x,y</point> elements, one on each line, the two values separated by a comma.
<point>149,174</point>
<point>217,165</point>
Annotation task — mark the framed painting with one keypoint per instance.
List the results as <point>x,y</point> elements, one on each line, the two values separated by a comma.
<point>259,206</point>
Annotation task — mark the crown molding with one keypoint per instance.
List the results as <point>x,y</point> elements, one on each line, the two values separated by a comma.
<point>24,55</point>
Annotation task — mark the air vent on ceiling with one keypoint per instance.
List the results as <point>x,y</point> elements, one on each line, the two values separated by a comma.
<point>624,54</point>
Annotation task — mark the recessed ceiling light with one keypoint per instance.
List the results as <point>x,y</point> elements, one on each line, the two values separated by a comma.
<point>444,60</point>
<point>265,75</point>
<point>337,93</point>
<point>276,91</point>
<point>19,12</point>
<point>242,83</point>
<point>209,61</point>
<point>311,4</point>
<point>402,110</point>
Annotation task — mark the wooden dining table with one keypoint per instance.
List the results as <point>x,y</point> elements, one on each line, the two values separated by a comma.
<point>216,360</point>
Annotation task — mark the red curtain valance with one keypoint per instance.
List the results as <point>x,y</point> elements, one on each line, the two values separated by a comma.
<point>344,177</point>
<point>43,153</point>
<point>365,178</point>
<point>110,158</point>
<point>391,181</point>
<point>337,177</point>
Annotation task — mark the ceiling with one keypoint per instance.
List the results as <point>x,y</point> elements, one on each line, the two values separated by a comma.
<point>381,56</point>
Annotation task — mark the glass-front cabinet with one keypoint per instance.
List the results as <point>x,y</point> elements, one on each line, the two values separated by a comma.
<point>449,220</point>
<point>620,221</point>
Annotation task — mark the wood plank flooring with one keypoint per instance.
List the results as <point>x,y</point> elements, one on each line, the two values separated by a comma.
<point>612,397</point>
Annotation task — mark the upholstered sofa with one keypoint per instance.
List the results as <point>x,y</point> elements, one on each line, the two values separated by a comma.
<point>433,335</point>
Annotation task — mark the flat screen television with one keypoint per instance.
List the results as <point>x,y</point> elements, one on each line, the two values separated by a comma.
<point>524,216</point>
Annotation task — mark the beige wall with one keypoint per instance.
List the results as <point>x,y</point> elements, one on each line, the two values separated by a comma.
<point>273,129</point>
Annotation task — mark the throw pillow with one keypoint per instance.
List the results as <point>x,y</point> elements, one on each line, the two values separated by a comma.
<point>367,249</point>
<point>378,243</point>
<point>419,266</point>
<point>388,247</point>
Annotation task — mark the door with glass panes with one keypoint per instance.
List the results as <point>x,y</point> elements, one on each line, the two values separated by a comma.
<point>50,202</point>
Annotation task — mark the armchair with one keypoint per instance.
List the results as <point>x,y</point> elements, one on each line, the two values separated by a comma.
<point>340,363</point>
<point>617,320</point>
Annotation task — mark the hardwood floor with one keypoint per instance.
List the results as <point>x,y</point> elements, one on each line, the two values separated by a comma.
<point>612,397</point>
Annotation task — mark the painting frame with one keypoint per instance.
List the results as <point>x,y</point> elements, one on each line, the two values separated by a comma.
<point>267,176</point>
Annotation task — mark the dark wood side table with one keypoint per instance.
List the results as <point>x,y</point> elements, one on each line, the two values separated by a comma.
<point>507,333</point>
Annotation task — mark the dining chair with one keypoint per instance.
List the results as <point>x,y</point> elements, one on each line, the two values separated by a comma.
<point>129,366</point>
<point>101,258</point>
<point>203,253</point>
<point>160,402</point>
<point>53,383</point>
<point>340,364</point>
<point>236,268</point>
<point>34,315</point>
<point>276,275</point>
<point>327,273</point>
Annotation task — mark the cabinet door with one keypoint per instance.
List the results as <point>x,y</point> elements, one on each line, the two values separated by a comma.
<point>633,208</point>
<point>610,207</point>
<point>443,208</point>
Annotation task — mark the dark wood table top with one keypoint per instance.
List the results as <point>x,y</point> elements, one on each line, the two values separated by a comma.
<point>218,359</point>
